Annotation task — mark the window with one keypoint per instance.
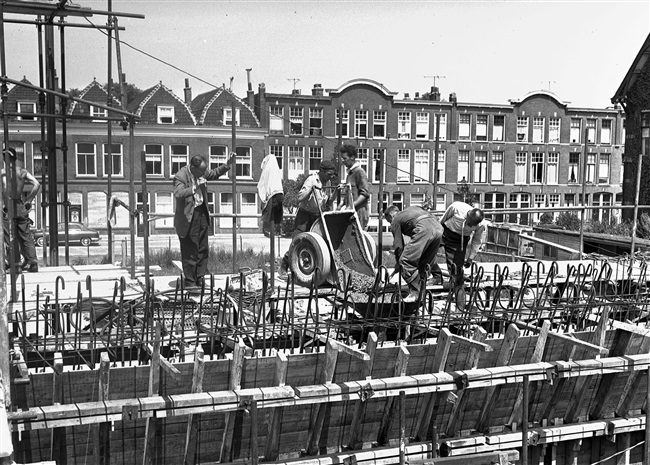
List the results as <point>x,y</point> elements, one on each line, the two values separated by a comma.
<point>574,136</point>
<point>39,165</point>
<point>417,200</point>
<point>85,159</point>
<point>276,119</point>
<point>379,124</point>
<point>591,131</point>
<point>248,202</point>
<point>398,200</point>
<point>603,169</point>
<point>537,168</point>
<point>463,166</point>
<point>403,125</point>
<point>165,115</point>
<point>344,117</point>
<point>539,202</point>
<point>362,158</point>
<point>315,157</point>
<point>315,121</point>
<point>227,116</point>
<point>591,168</point>
<point>522,128</point>
<point>464,121</point>
<point>521,159</point>
<point>606,131</point>
<point>218,156</point>
<point>441,166</point>
<point>154,159</point>
<point>442,122</point>
<point>554,131</point>
<point>570,200</point>
<point>497,128</point>
<point>422,125</point>
<point>481,127</point>
<point>480,167</point>
<point>225,206</point>
<point>493,201</point>
<point>378,169</point>
<point>496,169</point>
<point>296,161</point>
<point>97,112</point>
<point>26,107</point>
<point>177,157</point>
<point>519,201</point>
<point>164,204</point>
<point>603,199</point>
<point>278,152</point>
<point>403,165</point>
<point>574,167</point>
<point>244,162</point>
<point>554,202</point>
<point>116,156</point>
<point>296,120</point>
<point>361,123</point>
<point>552,168</point>
<point>538,130</point>
<point>421,168</point>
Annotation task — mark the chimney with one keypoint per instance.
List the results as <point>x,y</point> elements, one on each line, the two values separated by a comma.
<point>250,95</point>
<point>187,91</point>
<point>434,94</point>
<point>417,95</point>
<point>453,98</point>
<point>260,107</point>
<point>406,96</point>
<point>317,90</point>
<point>295,92</point>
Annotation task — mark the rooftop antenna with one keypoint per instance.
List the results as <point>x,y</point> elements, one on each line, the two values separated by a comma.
<point>295,80</point>
<point>549,84</point>
<point>231,79</point>
<point>434,78</point>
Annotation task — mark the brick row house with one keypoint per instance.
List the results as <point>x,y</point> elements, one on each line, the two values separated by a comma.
<point>526,153</point>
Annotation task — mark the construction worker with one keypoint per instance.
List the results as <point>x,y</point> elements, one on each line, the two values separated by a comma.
<point>413,257</point>
<point>465,231</point>
<point>357,181</point>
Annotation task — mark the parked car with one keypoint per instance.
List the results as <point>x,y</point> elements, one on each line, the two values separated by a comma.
<point>77,233</point>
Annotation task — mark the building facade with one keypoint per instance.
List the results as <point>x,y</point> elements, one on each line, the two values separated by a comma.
<point>528,153</point>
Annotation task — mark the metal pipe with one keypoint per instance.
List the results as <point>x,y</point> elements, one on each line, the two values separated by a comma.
<point>64,153</point>
<point>109,130</point>
<point>233,177</point>
<point>584,187</point>
<point>638,187</point>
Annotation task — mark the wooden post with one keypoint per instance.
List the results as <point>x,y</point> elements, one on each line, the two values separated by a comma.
<point>508,347</point>
<point>236,369</point>
<point>191,437</point>
<point>58,437</point>
<point>389,411</point>
<point>275,415</point>
<point>102,436</point>
<point>153,437</point>
<point>402,427</point>
<point>355,441</point>
<point>254,447</point>
<point>646,446</point>
<point>428,404</point>
<point>524,423</point>
<point>326,377</point>
<point>632,385</point>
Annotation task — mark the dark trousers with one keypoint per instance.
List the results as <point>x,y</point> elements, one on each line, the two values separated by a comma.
<point>455,248</point>
<point>24,238</point>
<point>421,252</point>
<point>195,248</point>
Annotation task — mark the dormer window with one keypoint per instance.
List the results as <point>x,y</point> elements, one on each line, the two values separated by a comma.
<point>26,107</point>
<point>96,112</point>
<point>165,115</point>
<point>227,116</point>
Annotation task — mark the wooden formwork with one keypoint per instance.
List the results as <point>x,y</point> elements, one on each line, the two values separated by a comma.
<point>284,406</point>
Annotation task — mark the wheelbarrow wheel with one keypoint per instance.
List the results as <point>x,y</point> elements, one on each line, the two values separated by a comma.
<point>309,252</point>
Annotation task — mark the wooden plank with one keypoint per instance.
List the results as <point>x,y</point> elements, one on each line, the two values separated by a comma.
<point>443,345</point>
<point>507,350</point>
<point>102,432</point>
<point>191,437</point>
<point>632,385</point>
<point>471,363</point>
<point>275,415</point>
<point>587,346</point>
<point>327,375</point>
<point>538,353</point>
<point>58,436</point>
<point>360,405</point>
<point>236,369</point>
<point>579,397</point>
<point>389,411</point>
<point>153,433</point>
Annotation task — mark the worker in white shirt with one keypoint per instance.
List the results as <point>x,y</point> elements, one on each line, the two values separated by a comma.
<point>464,232</point>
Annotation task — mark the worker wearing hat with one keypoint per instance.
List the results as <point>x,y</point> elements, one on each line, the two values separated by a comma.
<point>310,197</point>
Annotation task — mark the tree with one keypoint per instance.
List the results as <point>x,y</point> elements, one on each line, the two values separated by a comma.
<point>131,91</point>
<point>568,221</point>
<point>291,188</point>
<point>463,193</point>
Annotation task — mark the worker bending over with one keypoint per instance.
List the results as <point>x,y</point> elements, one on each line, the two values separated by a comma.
<point>412,258</point>
<point>465,231</point>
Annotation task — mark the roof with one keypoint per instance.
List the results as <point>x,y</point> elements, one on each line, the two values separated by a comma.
<point>367,82</point>
<point>537,93</point>
<point>637,67</point>
<point>207,108</point>
<point>145,104</point>
<point>94,92</point>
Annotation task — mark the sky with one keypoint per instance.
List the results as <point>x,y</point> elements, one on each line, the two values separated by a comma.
<point>484,51</point>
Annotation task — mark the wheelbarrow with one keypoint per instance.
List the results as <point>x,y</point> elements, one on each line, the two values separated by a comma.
<point>335,241</point>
